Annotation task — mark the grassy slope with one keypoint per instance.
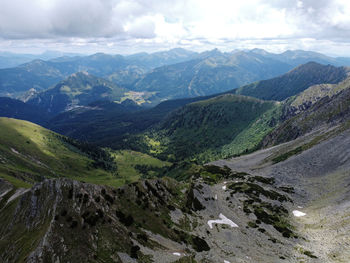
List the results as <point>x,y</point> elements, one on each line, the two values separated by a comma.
<point>127,160</point>
<point>215,128</point>
<point>29,153</point>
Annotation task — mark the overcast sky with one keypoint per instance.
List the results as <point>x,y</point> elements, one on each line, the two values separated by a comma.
<point>129,26</point>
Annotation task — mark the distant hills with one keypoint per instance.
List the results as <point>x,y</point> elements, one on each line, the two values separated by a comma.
<point>40,74</point>
<point>79,89</point>
<point>9,59</point>
<point>176,73</point>
<point>214,72</point>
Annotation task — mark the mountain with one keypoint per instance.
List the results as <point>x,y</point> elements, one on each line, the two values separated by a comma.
<point>319,106</point>
<point>294,81</point>
<point>275,211</point>
<point>149,220</point>
<point>211,73</point>
<point>9,59</point>
<point>37,74</point>
<point>124,71</point>
<point>175,73</point>
<point>202,131</point>
<point>161,58</point>
<point>17,109</point>
<point>315,167</point>
<point>66,201</point>
<point>298,57</point>
<point>79,89</point>
<point>167,134</point>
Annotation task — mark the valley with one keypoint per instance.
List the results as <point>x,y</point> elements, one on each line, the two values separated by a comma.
<point>176,156</point>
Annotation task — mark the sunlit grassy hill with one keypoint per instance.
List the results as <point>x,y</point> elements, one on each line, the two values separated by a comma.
<point>30,153</point>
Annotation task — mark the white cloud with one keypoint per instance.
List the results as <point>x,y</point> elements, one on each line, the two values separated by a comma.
<point>170,23</point>
<point>142,27</point>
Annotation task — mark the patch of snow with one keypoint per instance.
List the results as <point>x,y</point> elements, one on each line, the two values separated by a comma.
<point>300,206</point>
<point>216,197</point>
<point>298,213</point>
<point>226,261</point>
<point>18,193</point>
<point>177,254</point>
<point>5,192</point>
<point>224,187</point>
<point>13,150</point>
<point>223,220</point>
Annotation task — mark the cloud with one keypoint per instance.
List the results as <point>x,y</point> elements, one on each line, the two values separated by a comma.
<point>141,28</point>
<point>170,23</point>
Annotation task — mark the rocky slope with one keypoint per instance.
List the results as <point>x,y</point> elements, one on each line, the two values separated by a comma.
<point>317,166</point>
<point>316,107</point>
<point>222,216</point>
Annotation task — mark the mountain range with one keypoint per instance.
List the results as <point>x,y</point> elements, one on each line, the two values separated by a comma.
<point>79,89</point>
<point>255,169</point>
<point>176,73</point>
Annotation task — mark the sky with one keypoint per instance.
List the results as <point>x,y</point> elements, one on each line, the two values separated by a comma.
<point>131,26</point>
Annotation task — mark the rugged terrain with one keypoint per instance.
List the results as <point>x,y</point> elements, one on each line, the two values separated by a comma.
<point>281,197</point>
<point>320,177</point>
<point>247,211</point>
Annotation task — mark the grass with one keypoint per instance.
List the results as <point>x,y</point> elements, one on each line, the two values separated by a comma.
<point>138,97</point>
<point>30,153</point>
<point>288,154</point>
<point>26,239</point>
<point>127,160</point>
<point>211,129</point>
<point>15,182</point>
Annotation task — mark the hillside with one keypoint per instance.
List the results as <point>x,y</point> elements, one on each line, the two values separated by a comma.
<point>79,89</point>
<point>36,74</point>
<point>111,122</point>
<point>151,221</point>
<point>294,82</point>
<point>316,169</point>
<point>31,153</point>
<point>201,131</point>
<point>17,109</point>
<point>290,210</point>
<point>329,108</point>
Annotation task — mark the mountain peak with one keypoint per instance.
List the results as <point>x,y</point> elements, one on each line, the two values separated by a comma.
<point>259,51</point>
